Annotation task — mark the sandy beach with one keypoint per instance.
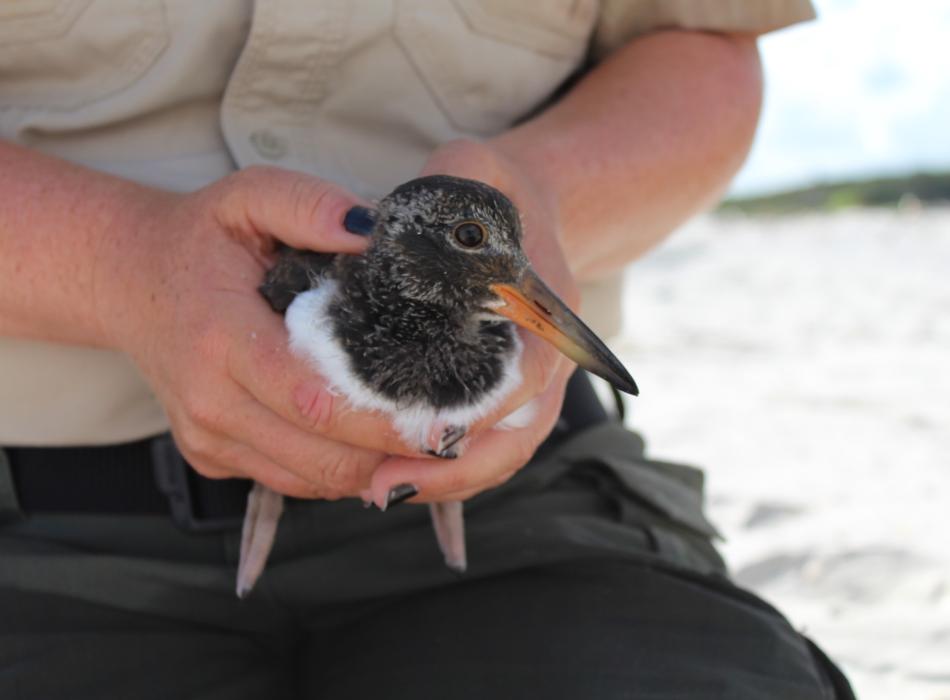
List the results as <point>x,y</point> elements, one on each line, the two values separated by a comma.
<point>804,362</point>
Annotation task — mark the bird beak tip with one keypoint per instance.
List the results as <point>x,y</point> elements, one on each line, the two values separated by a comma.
<point>629,386</point>
<point>533,306</point>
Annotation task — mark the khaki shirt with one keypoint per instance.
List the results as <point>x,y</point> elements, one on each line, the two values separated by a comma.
<point>178,93</point>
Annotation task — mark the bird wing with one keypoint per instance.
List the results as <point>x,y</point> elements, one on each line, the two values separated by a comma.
<point>295,271</point>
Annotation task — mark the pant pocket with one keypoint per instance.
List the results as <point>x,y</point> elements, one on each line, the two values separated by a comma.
<point>663,498</point>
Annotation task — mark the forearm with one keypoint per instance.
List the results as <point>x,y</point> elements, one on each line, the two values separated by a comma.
<point>647,139</point>
<point>58,224</point>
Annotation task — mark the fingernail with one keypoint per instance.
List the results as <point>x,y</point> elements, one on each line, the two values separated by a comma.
<point>399,493</point>
<point>445,454</point>
<point>360,220</point>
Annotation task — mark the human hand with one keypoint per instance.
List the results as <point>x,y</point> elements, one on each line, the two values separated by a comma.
<point>179,296</point>
<point>493,456</point>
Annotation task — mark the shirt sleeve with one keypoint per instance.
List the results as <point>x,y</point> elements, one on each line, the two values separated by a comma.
<point>621,20</point>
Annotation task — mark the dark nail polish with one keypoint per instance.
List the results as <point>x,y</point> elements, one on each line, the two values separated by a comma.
<point>399,493</point>
<point>445,454</point>
<point>360,220</point>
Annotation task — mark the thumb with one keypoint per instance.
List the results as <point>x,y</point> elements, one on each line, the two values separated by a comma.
<point>301,210</point>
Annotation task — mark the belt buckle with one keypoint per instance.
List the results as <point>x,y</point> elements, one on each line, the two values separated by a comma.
<point>172,475</point>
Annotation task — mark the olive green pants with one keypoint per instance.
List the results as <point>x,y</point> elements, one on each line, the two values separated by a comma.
<point>592,575</point>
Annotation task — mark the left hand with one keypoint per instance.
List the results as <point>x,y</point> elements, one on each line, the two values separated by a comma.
<point>494,456</point>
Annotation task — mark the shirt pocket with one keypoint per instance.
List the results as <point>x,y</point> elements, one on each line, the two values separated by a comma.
<point>63,54</point>
<point>488,62</point>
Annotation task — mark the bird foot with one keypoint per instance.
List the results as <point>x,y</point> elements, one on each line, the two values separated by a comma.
<point>445,441</point>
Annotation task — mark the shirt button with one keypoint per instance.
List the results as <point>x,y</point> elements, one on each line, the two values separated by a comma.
<point>268,144</point>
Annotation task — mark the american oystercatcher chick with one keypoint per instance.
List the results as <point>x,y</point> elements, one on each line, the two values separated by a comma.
<point>419,328</point>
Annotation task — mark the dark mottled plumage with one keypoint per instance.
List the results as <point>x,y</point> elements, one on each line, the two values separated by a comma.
<point>412,316</point>
<point>295,271</point>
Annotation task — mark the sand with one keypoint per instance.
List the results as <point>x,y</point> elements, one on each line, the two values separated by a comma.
<point>805,363</point>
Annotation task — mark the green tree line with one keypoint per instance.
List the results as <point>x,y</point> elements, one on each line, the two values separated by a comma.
<point>928,188</point>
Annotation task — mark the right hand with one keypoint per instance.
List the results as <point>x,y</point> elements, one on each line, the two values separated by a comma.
<point>177,292</point>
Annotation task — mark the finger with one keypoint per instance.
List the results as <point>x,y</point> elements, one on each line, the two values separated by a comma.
<point>301,210</point>
<point>541,365</point>
<point>256,466</point>
<point>260,361</point>
<point>223,458</point>
<point>334,468</point>
<point>489,460</point>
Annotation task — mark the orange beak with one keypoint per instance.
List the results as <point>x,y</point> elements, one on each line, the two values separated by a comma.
<point>532,305</point>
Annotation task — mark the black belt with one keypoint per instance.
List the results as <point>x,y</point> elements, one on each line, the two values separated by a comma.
<point>151,477</point>
<point>145,477</point>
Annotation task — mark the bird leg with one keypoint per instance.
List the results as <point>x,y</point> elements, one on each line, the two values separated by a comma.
<point>264,508</point>
<point>449,524</point>
<point>445,441</point>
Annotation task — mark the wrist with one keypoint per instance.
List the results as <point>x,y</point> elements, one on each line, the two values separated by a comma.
<point>130,258</point>
<point>60,225</point>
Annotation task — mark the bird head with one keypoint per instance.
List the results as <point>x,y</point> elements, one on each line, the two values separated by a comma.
<point>456,243</point>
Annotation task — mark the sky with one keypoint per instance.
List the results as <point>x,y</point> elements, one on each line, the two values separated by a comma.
<point>862,91</point>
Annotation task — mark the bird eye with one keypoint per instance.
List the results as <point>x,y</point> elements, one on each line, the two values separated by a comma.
<point>469,234</point>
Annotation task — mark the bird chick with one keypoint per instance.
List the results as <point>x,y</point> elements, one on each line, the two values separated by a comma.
<point>419,328</point>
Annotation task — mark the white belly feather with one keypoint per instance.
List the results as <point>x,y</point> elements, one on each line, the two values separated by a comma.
<point>311,337</point>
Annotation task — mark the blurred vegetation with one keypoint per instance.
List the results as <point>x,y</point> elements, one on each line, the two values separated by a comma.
<point>927,188</point>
